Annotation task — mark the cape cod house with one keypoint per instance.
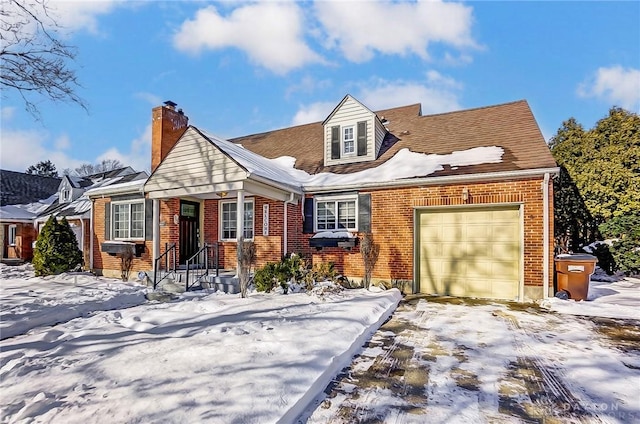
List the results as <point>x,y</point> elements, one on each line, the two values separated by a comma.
<point>459,203</point>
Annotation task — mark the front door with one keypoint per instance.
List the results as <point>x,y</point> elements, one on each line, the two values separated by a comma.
<point>189,229</point>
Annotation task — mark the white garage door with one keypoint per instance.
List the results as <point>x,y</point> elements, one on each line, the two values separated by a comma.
<point>474,252</point>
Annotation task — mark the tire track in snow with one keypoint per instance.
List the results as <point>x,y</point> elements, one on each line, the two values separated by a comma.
<point>547,377</point>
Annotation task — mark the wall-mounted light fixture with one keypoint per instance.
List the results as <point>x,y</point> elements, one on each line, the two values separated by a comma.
<point>465,194</point>
<point>222,194</point>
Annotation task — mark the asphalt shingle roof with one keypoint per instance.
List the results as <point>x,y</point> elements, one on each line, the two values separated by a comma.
<point>510,126</point>
<point>18,188</point>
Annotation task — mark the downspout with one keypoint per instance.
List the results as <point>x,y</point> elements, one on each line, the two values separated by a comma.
<point>82,236</point>
<point>91,238</point>
<point>545,236</point>
<point>285,231</point>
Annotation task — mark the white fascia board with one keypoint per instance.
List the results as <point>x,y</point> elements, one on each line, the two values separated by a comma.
<point>114,190</point>
<point>450,179</point>
<point>289,188</point>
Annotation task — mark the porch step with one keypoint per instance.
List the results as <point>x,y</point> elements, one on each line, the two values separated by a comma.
<point>226,284</point>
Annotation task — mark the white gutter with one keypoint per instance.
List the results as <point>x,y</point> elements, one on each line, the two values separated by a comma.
<point>278,184</point>
<point>125,188</point>
<point>545,236</point>
<point>434,180</point>
<point>285,231</point>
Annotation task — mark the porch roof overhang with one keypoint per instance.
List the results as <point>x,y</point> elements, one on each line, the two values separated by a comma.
<point>251,185</point>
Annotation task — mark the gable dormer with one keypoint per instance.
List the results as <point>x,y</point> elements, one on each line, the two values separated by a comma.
<point>352,133</point>
<point>65,190</point>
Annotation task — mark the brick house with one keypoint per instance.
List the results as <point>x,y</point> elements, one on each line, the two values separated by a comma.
<point>74,205</point>
<point>459,203</point>
<point>22,197</point>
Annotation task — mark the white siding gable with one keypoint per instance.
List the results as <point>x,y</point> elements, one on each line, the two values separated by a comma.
<point>194,165</point>
<point>351,113</point>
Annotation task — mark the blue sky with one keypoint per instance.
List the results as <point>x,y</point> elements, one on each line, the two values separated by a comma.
<point>239,68</point>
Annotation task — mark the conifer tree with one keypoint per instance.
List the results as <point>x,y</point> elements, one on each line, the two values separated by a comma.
<point>56,249</point>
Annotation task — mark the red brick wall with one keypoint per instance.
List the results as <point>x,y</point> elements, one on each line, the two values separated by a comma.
<point>107,264</point>
<point>393,223</point>
<point>392,227</point>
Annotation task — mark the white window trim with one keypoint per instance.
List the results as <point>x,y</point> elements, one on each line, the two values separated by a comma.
<point>112,221</point>
<point>343,140</point>
<point>336,199</point>
<point>221,230</point>
<point>12,229</point>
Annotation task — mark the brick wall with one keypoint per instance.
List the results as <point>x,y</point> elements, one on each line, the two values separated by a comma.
<point>393,222</point>
<point>110,265</point>
<point>392,227</point>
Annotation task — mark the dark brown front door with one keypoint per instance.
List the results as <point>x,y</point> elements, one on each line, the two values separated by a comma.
<point>189,229</point>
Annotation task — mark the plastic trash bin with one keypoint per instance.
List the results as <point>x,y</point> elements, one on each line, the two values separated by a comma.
<point>572,275</point>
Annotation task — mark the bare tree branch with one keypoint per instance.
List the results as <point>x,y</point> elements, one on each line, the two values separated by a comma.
<point>33,60</point>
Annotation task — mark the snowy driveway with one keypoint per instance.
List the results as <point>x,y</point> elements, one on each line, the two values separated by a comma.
<point>452,360</point>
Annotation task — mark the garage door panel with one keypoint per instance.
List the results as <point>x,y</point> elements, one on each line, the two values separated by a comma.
<point>472,252</point>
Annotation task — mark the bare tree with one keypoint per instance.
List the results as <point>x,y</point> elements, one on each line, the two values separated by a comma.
<point>104,166</point>
<point>33,60</point>
<point>370,252</point>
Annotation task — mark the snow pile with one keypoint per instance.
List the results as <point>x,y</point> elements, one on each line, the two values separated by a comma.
<point>618,299</point>
<point>29,302</point>
<point>404,164</point>
<point>203,358</point>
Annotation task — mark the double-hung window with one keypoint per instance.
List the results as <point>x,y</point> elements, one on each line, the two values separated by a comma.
<point>128,220</point>
<point>13,231</point>
<point>336,214</point>
<point>229,221</point>
<point>348,140</point>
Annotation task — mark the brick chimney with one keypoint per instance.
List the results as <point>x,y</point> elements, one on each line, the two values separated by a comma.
<point>167,125</point>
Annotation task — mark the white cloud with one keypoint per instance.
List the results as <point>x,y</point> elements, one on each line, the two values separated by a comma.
<point>62,142</point>
<point>7,113</point>
<point>139,155</point>
<point>359,29</point>
<point>81,15</point>
<point>22,148</point>
<point>313,112</point>
<point>437,94</point>
<point>271,34</point>
<point>150,98</point>
<point>616,84</point>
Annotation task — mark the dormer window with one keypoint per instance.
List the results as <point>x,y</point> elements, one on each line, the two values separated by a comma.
<point>66,195</point>
<point>348,141</point>
<point>352,133</point>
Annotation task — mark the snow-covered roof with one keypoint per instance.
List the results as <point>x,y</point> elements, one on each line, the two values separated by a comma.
<point>404,164</point>
<point>26,212</point>
<point>254,163</point>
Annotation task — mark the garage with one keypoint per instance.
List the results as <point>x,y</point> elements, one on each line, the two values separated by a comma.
<point>469,252</point>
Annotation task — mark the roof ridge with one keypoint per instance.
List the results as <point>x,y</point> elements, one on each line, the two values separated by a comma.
<point>477,108</point>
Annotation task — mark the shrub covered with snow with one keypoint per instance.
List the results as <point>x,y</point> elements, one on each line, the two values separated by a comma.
<point>56,249</point>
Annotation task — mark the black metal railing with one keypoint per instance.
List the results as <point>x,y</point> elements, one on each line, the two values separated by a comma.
<point>166,270</point>
<point>200,264</point>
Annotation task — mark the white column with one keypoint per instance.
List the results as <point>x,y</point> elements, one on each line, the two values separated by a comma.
<point>156,228</point>
<point>239,226</point>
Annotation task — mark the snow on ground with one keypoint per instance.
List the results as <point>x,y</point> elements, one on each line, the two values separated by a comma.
<point>616,299</point>
<point>29,302</point>
<point>206,357</point>
<point>445,360</point>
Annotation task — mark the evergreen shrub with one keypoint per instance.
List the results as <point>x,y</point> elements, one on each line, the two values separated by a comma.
<point>56,249</point>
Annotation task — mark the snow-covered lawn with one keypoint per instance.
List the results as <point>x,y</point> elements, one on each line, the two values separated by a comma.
<point>202,358</point>
<point>88,350</point>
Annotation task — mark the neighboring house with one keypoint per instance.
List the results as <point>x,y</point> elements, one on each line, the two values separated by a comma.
<point>74,205</point>
<point>22,197</point>
<point>459,203</point>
